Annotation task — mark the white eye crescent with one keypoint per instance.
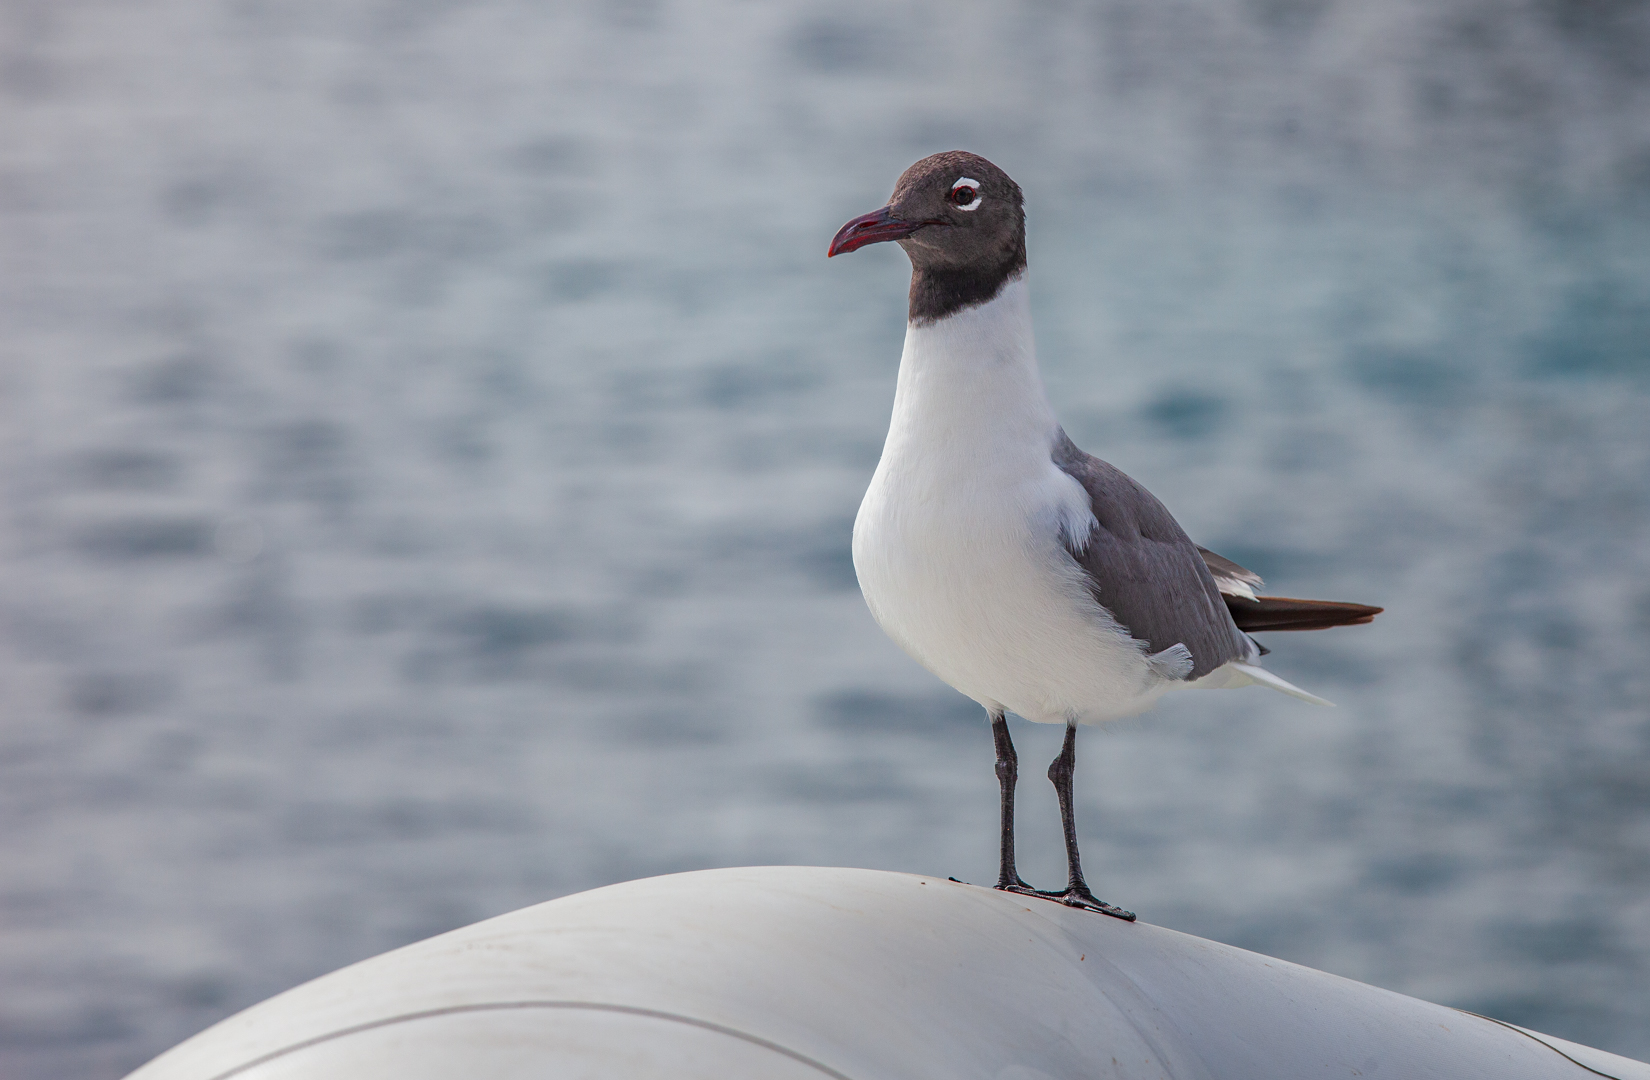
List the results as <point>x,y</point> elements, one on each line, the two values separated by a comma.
<point>965,194</point>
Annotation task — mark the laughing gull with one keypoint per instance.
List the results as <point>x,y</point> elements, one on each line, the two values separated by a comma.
<point>1032,577</point>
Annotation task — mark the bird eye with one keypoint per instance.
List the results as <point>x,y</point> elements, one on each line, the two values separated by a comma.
<point>965,194</point>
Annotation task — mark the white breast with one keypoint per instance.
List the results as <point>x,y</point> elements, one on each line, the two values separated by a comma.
<point>958,543</point>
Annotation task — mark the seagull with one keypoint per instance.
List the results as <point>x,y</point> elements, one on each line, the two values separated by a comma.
<point>1032,577</point>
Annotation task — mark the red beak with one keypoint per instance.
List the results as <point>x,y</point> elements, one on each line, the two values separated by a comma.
<point>872,228</point>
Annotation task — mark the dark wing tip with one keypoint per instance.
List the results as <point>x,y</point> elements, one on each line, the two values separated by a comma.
<point>1288,613</point>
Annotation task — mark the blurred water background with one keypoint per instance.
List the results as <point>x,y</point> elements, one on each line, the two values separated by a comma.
<point>431,433</point>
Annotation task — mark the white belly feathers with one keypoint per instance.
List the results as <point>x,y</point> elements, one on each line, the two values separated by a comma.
<point>958,543</point>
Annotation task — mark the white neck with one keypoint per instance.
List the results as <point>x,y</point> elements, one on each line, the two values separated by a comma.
<point>969,388</point>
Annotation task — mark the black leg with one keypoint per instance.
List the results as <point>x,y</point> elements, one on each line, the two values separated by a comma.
<point>1008,771</point>
<point>1077,892</point>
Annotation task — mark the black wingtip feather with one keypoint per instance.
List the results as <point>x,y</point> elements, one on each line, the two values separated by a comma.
<point>1286,613</point>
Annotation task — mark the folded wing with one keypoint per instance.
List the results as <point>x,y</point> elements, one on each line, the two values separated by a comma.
<point>1143,569</point>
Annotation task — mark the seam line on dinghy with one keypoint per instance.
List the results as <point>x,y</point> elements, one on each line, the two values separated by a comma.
<point>596,1006</point>
<point>1536,1038</point>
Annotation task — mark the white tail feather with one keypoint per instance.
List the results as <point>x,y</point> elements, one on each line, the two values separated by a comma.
<point>1249,673</point>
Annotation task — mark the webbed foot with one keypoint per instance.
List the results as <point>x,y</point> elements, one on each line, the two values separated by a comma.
<point>1078,896</point>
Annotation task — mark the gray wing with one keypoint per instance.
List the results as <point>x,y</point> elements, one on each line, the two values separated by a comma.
<point>1146,571</point>
<point>1234,581</point>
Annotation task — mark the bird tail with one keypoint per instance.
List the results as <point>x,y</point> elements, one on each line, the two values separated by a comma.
<point>1284,613</point>
<point>1246,674</point>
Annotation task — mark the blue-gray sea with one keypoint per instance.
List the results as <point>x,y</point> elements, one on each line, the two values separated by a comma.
<point>431,433</point>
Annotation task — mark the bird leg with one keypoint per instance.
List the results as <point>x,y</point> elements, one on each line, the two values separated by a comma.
<point>1008,771</point>
<point>1077,892</point>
